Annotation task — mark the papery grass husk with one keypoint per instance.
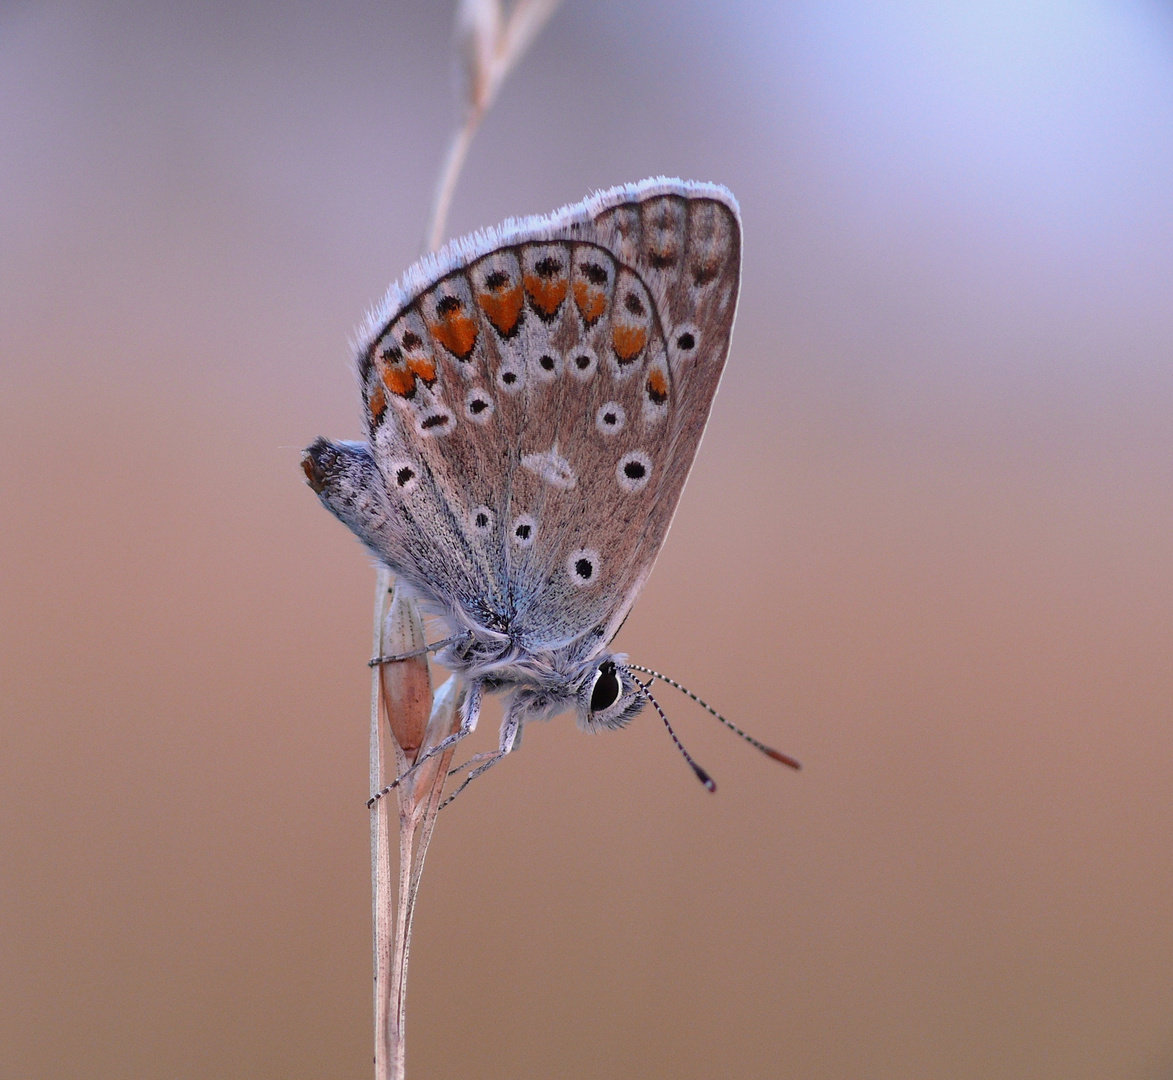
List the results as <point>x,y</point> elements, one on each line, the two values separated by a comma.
<point>409,719</point>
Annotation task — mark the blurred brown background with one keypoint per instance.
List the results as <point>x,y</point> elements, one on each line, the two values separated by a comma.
<point>926,548</point>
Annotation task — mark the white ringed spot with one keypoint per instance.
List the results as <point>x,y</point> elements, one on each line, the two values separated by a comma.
<point>478,405</point>
<point>582,565</point>
<point>523,531</point>
<point>511,377</point>
<point>548,366</point>
<point>684,341</point>
<point>404,476</point>
<point>481,520</point>
<point>582,362</point>
<point>634,471</point>
<point>610,419</point>
<point>437,420</point>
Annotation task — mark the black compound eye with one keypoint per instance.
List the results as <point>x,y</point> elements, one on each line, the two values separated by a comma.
<point>606,690</point>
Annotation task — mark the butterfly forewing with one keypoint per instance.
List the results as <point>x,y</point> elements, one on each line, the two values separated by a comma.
<point>688,251</point>
<point>661,341</point>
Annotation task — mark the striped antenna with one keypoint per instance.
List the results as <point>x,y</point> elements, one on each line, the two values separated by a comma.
<point>769,751</point>
<point>701,775</point>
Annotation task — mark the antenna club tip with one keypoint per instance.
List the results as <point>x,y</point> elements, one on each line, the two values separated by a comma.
<point>704,778</point>
<point>786,759</point>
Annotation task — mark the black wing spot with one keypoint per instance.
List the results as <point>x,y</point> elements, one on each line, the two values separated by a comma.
<point>582,362</point>
<point>477,406</point>
<point>404,476</point>
<point>610,419</point>
<point>547,363</point>
<point>522,531</point>
<point>595,274</point>
<point>634,470</point>
<point>634,304</point>
<point>366,362</point>
<point>584,568</point>
<point>509,378</point>
<point>449,304</point>
<point>412,340</point>
<point>482,520</point>
<point>659,262</point>
<point>686,341</point>
<point>496,280</point>
<point>435,420</point>
<point>547,267</point>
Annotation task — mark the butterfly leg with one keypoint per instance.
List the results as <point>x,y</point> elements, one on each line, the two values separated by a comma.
<point>510,740</point>
<point>435,647</point>
<point>517,729</point>
<point>469,714</point>
<point>471,761</point>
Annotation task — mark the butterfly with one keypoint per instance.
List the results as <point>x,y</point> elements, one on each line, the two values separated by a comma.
<point>534,397</point>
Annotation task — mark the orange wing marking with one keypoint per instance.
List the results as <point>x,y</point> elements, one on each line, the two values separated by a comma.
<point>399,381</point>
<point>502,308</point>
<point>628,341</point>
<point>454,330</point>
<point>547,295</point>
<point>423,368</point>
<point>377,403</point>
<point>591,302</point>
<point>657,387</point>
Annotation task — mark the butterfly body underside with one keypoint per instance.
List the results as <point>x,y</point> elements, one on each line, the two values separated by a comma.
<point>534,397</point>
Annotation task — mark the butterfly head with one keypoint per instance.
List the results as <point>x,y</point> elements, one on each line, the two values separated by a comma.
<point>610,697</point>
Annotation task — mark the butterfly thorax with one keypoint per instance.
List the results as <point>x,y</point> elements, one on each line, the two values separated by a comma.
<point>502,663</point>
<point>542,682</point>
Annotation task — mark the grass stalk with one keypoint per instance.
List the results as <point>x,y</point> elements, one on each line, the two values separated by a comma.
<point>489,41</point>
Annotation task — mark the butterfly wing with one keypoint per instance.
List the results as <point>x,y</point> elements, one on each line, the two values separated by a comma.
<point>662,321</point>
<point>535,397</point>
